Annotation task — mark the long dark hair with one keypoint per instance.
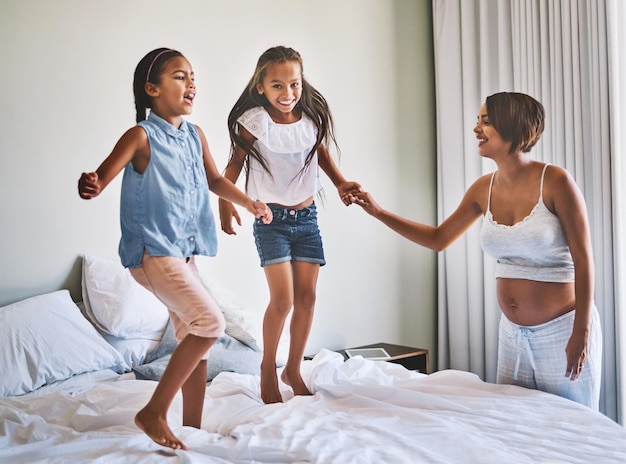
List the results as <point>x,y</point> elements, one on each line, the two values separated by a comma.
<point>149,69</point>
<point>312,103</point>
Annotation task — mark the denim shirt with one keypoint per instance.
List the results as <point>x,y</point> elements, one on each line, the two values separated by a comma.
<point>166,211</point>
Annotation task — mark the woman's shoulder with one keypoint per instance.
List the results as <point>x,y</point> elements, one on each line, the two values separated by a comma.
<point>554,172</point>
<point>478,192</point>
<point>558,180</point>
<point>483,182</point>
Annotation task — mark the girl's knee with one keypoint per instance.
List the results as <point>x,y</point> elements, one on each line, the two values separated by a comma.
<point>280,306</point>
<point>305,300</point>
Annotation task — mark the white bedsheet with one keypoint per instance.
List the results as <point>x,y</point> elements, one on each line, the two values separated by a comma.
<point>362,412</point>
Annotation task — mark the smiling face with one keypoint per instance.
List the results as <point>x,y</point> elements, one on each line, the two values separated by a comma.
<point>282,86</point>
<point>173,95</point>
<point>490,143</point>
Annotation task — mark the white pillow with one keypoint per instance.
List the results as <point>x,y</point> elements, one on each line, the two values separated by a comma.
<point>118,305</point>
<point>135,351</point>
<point>44,339</point>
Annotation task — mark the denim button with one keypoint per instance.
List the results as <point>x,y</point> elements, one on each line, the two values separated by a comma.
<point>292,212</point>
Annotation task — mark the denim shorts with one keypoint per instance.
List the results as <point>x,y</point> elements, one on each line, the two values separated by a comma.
<point>293,235</point>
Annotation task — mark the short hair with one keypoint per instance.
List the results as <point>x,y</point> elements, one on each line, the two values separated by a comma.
<point>518,118</point>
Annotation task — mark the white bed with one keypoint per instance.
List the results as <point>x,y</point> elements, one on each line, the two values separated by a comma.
<point>362,411</point>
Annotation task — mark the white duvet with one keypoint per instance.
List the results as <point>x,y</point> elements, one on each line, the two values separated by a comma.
<point>362,412</point>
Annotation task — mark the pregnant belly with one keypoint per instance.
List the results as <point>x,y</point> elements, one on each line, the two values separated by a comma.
<point>528,302</point>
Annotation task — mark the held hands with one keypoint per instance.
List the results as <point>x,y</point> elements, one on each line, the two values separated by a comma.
<point>367,202</point>
<point>228,212</point>
<point>88,185</point>
<point>261,210</point>
<point>352,192</point>
<point>347,190</point>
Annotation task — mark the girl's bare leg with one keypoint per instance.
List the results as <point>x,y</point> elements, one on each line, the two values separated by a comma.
<point>279,280</point>
<point>304,283</point>
<point>152,419</point>
<point>194,390</point>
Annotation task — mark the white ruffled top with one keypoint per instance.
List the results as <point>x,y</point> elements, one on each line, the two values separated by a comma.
<point>285,148</point>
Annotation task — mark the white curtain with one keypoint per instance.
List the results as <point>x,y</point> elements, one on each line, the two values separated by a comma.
<point>557,51</point>
<point>616,15</point>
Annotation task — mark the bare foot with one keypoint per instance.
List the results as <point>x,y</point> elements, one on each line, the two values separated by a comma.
<point>296,383</point>
<point>270,392</point>
<point>157,429</point>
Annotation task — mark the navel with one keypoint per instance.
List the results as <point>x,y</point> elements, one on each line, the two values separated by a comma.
<point>512,304</point>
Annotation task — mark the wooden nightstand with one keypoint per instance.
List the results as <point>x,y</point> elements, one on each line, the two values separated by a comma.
<point>414,359</point>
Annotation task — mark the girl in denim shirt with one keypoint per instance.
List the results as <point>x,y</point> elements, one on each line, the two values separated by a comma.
<point>166,220</point>
<point>278,128</point>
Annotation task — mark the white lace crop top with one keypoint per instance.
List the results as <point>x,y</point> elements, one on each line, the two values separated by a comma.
<point>533,249</point>
<point>285,148</point>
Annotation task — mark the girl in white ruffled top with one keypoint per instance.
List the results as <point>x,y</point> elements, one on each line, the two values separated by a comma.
<point>279,128</point>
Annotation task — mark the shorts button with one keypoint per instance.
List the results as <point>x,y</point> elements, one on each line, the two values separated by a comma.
<point>292,212</point>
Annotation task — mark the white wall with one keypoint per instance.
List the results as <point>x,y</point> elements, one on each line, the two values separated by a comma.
<point>66,93</point>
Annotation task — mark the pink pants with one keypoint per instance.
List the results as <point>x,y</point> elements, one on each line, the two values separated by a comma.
<point>176,283</point>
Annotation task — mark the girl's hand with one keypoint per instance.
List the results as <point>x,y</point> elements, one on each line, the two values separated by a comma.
<point>88,185</point>
<point>347,190</point>
<point>227,213</point>
<point>261,210</point>
<point>367,202</point>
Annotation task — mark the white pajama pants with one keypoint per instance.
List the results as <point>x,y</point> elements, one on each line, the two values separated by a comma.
<point>534,357</point>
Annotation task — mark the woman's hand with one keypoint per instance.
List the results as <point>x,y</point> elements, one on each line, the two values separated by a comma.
<point>347,190</point>
<point>576,352</point>
<point>367,202</point>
